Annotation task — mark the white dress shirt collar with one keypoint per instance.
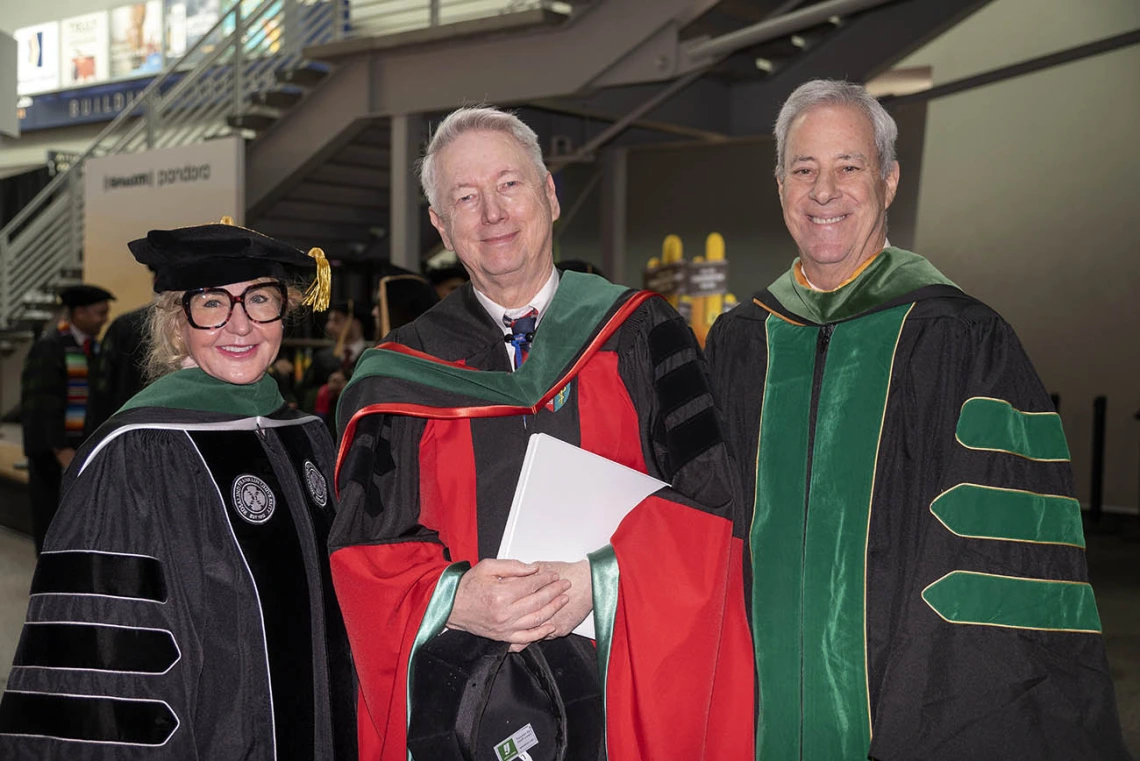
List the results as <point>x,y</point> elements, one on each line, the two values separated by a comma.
<point>540,301</point>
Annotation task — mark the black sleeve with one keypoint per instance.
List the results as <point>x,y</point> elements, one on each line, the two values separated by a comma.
<point>378,485</point>
<point>668,381</point>
<point>111,661</point>
<point>956,686</point>
<point>43,397</point>
<point>378,480</point>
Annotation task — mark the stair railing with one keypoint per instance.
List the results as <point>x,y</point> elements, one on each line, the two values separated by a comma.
<point>187,103</point>
<point>191,100</point>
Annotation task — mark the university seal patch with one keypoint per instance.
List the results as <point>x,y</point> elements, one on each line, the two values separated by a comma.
<point>318,487</point>
<point>253,499</point>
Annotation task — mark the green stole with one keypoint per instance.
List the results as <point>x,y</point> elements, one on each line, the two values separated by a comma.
<point>808,550</point>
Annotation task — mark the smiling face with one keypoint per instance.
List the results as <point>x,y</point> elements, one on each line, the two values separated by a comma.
<point>833,194</point>
<point>496,211</point>
<point>241,350</point>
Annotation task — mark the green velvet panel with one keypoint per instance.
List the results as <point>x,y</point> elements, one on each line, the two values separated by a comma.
<point>776,537</point>
<point>849,421</point>
<point>994,425</point>
<point>989,512</point>
<point>604,578</point>
<point>966,597</point>
<point>434,620</point>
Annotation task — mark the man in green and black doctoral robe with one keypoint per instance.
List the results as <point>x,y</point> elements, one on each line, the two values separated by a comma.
<point>915,570</point>
<point>53,397</point>
<point>436,423</point>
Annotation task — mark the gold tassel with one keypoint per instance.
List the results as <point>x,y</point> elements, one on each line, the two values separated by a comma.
<point>227,220</point>
<point>318,293</point>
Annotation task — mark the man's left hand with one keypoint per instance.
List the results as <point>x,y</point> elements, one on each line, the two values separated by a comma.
<point>581,595</point>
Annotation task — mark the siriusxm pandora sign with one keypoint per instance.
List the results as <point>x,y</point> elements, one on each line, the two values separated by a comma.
<point>158,178</point>
<point>130,194</point>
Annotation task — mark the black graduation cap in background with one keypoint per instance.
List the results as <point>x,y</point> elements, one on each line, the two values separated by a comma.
<point>204,256</point>
<point>83,295</point>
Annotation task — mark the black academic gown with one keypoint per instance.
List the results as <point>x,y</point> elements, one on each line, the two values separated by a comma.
<point>915,570</point>
<point>182,607</point>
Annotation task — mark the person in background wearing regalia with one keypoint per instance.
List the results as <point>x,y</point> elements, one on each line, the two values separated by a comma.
<point>347,325</point>
<point>182,607</point>
<point>53,397</point>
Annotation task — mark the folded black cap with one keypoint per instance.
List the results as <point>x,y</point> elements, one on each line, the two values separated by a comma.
<point>83,295</point>
<point>204,256</point>
<point>473,700</point>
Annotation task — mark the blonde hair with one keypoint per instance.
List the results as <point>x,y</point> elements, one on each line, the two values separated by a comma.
<point>164,332</point>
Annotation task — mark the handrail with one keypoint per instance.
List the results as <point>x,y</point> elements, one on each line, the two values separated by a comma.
<point>188,101</point>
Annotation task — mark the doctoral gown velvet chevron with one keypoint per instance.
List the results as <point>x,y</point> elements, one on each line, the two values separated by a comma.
<point>435,430</point>
<point>915,571</point>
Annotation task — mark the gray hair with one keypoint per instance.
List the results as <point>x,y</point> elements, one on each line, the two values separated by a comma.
<point>834,92</point>
<point>475,119</point>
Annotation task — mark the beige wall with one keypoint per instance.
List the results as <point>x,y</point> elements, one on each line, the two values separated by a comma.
<point>1029,196</point>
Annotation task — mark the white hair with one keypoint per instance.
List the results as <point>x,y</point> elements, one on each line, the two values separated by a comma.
<point>834,92</point>
<point>475,119</point>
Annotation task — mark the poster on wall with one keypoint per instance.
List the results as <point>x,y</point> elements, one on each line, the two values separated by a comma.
<point>83,44</point>
<point>136,39</point>
<point>37,58</point>
<point>186,22</point>
<point>264,35</point>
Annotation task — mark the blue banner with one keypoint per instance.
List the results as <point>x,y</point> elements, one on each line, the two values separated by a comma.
<point>87,105</point>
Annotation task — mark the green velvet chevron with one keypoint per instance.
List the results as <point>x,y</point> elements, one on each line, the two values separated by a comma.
<point>994,425</point>
<point>989,512</point>
<point>968,597</point>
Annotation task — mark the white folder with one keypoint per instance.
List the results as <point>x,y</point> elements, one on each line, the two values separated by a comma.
<point>568,503</point>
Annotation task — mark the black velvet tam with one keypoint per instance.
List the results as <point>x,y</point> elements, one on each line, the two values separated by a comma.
<point>205,256</point>
<point>83,295</point>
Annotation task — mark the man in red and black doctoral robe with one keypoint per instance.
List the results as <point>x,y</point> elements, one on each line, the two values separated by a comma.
<point>435,426</point>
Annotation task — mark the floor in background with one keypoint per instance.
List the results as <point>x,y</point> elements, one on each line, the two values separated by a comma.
<point>14,511</point>
<point>1114,565</point>
<point>17,561</point>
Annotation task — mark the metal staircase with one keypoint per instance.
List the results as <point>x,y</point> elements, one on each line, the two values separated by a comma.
<point>233,78</point>
<point>320,86</point>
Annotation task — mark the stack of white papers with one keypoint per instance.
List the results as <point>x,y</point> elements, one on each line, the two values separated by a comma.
<point>568,503</point>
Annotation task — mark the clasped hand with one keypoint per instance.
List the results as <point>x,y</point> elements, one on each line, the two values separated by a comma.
<point>520,603</point>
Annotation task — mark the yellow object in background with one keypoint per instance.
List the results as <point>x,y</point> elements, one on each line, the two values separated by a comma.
<point>707,282</point>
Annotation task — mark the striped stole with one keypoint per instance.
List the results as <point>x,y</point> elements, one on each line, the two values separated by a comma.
<point>77,389</point>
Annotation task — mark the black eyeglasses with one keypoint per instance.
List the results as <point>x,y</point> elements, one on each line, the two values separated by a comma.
<point>210,308</point>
